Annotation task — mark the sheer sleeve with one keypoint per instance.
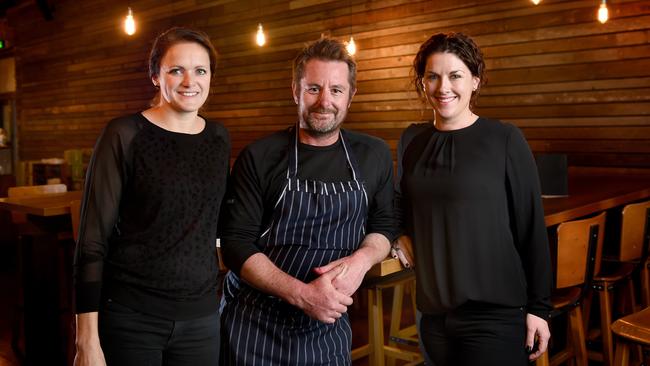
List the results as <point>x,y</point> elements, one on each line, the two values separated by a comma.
<point>105,181</point>
<point>527,222</point>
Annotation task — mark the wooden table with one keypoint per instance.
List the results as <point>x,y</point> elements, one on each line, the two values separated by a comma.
<point>43,291</point>
<point>48,205</point>
<point>589,194</point>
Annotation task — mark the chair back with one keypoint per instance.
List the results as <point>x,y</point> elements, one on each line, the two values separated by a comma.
<point>579,247</point>
<point>75,216</point>
<point>635,232</point>
<point>29,191</point>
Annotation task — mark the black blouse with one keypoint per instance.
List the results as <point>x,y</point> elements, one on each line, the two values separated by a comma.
<point>470,200</point>
<point>149,219</point>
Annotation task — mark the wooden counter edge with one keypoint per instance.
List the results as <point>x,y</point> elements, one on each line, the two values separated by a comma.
<point>384,268</point>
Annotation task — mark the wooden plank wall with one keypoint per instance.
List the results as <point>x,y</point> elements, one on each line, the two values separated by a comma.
<point>572,84</point>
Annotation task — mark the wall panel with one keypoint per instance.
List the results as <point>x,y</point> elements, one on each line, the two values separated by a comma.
<point>572,84</point>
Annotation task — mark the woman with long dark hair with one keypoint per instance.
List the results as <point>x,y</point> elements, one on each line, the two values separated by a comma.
<point>469,201</point>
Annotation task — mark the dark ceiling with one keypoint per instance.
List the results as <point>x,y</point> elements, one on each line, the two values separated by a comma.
<point>45,6</point>
<point>6,4</point>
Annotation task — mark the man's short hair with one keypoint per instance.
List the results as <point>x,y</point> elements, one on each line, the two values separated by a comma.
<point>325,49</point>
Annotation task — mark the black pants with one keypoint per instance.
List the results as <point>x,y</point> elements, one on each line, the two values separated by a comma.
<point>476,334</point>
<point>131,338</point>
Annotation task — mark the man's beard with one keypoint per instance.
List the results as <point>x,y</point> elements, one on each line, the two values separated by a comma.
<point>318,129</point>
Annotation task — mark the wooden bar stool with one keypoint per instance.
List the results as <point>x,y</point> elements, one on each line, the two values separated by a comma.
<point>611,274</point>
<point>376,349</point>
<point>577,243</point>
<point>398,335</point>
<point>631,330</point>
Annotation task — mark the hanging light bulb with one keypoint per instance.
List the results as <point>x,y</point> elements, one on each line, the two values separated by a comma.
<point>260,38</point>
<point>536,2</point>
<point>129,23</point>
<point>351,46</point>
<point>603,12</point>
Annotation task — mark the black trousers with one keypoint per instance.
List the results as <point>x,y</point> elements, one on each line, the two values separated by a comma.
<point>131,338</point>
<point>475,334</point>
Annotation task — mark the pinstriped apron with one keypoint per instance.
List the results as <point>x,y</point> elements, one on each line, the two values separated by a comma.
<point>313,223</point>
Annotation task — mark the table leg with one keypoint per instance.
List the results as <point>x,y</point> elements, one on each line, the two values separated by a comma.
<point>43,338</point>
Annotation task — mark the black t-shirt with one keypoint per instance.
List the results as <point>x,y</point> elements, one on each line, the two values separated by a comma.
<point>471,202</point>
<point>260,172</point>
<point>149,219</point>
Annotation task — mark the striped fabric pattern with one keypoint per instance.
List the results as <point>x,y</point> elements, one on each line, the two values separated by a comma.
<point>314,223</point>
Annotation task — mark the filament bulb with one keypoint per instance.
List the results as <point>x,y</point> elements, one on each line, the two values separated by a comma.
<point>260,38</point>
<point>129,23</point>
<point>351,46</point>
<point>603,12</point>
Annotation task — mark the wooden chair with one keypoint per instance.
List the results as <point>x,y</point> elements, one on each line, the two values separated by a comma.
<point>577,243</point>
<point>635,232</point>
<point>612,274</point>
<point>631,330</point>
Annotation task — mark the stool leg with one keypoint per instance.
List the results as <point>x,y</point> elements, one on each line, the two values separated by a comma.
<point>622,353</point>
<point>396,318</point>
<point>376,327</point>
<point>645,284</point>
<point>578,339</point>
<point>413,297</point>
<point>586,308</point>
<point>631,296</point>
<point>606,325</point>
<point>542,360</point>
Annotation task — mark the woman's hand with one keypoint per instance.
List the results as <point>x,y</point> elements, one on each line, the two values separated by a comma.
<point>402,249</point>
<point>537,333</point>
<point>91,355</point>
<point>89,350</point>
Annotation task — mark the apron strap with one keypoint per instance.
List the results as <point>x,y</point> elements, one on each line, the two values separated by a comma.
<point>292,169</point>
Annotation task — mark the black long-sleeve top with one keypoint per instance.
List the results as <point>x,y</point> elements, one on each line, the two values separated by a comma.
<point>149,219</point>
<point>259,174</point>
<point>470,200</point>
